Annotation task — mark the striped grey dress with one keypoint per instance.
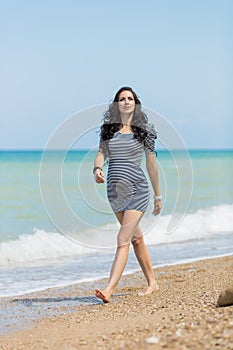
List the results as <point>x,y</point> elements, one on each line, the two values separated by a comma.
<point>127,187</point>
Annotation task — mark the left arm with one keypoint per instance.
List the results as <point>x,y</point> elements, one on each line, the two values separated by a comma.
<point>152,170</point>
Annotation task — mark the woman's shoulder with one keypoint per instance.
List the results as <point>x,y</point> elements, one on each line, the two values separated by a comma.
<point>150,128</point>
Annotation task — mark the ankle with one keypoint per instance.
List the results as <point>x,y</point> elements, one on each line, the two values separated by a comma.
<point>109,290</point>
<point>153,285</point>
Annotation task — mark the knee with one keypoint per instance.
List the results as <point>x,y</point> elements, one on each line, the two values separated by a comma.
<point>137,242</point>
<point>122,241</point>
<point>122,244</point>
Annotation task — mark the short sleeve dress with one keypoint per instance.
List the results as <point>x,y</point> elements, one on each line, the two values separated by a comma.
<point>127,187</point>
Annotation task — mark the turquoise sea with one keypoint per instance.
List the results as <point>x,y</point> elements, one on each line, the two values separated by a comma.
<point>57,228</point>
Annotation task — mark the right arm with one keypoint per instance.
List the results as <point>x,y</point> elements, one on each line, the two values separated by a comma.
<point>99,162</point>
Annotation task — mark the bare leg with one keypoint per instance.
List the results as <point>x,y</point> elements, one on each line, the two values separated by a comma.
<point>116,272</point>
<point>145,262</point>
<point>129,221</point>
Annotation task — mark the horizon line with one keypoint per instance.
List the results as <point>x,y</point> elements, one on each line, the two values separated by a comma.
<point>89,149</point>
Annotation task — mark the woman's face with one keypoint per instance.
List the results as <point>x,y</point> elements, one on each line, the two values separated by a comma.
<point>126,102</point>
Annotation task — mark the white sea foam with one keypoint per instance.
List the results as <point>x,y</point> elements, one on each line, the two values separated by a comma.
<point>39,245</point>
<point>200,225</point>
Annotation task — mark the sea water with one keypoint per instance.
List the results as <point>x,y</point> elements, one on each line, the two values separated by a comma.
<point>59,231</point>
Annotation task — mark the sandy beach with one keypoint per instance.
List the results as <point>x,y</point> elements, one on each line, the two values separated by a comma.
<point>183,314</point>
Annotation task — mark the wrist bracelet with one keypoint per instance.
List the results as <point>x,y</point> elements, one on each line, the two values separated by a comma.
<point>157,198</point>
<point>95,168</point>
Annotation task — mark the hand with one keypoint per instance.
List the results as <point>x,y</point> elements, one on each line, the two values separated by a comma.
<point>157,207</point>
<point>99,176</point>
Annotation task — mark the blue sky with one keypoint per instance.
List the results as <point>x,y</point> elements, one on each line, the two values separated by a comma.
<point>59,57</point>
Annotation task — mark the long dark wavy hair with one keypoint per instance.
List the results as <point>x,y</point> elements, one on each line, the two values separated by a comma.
<point>112,119</point>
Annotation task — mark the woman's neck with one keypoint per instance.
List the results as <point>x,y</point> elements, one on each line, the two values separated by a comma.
<point>125,127</point>
<point>126,119</point>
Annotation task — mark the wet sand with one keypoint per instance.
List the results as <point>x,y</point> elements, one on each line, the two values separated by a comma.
<point>183,314</point>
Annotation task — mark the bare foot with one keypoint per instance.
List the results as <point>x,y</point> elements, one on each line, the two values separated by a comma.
<point>150,290</point>
<point>99,294</point>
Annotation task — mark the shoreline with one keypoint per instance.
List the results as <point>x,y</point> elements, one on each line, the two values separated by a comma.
<point>96,279</point>
<point>93,280</point>
<point>182,313</point>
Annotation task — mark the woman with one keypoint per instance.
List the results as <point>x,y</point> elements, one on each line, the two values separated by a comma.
<point>125,136</point>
